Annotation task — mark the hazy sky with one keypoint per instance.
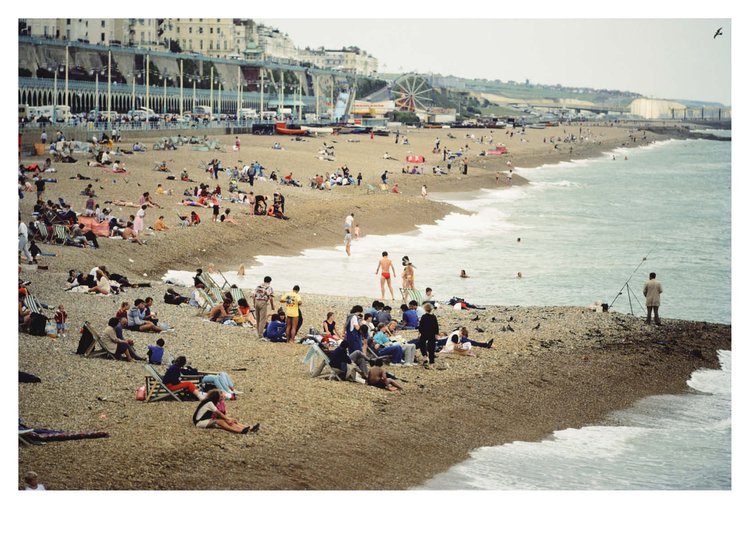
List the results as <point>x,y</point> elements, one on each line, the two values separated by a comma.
<point>662,58</point>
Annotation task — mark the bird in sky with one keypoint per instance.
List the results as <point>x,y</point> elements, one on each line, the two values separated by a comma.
<point>718,33</point>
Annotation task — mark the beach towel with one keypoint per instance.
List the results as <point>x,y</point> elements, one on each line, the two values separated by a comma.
<point>40,435</point>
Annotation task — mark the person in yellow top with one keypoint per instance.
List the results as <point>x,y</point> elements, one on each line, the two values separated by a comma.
<point>292,301</point>
<point>160,225</point>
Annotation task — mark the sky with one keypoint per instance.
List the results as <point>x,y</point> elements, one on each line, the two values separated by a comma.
<point>660,58</point>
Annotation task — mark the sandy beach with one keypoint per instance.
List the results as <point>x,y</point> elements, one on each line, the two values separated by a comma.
<point>560,367</point>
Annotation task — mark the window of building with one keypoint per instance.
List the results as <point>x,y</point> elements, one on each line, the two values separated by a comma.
<point>201,45</point>
<point>178,29</point>
<point>190,30</point>
<point>104,37</point>
<point>103,24</point>
<point>200,29</point>
<point>211,30</point>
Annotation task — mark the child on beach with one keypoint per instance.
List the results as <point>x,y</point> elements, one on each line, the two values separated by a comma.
<point>156,352</point>
<point>61,316</point>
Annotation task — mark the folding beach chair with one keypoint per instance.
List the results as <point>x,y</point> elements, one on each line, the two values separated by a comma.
<point>91,351</point>
<point>41,231</point>
<point>61,234</point>
<point>371,189</point>
<point>156,390</point>
<point>209,301</point>
<point>32,304</point>
<point>320,365</point>
<point>237,294</point>
<point>409,294</point>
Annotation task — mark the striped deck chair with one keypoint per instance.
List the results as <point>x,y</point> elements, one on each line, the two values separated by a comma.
<point>409,294</point>
<point>209,301</point>
<point>209,281</point>
<point>33,304</point>
<point>237,293</point>
<point>41,232</point>
<point>60,233</point>
<point>371,189</point>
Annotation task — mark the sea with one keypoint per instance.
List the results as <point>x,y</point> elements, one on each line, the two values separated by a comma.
<point>580,233</point>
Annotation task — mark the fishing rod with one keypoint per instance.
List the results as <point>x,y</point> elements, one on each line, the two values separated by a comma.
<point>627,284</point>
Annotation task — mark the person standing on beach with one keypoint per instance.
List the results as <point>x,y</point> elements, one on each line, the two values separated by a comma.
<point>348,242</point>
<point>261,298</point>
<point>385,267</point>
<point>428,331</point>
<point>348,221</point>
<point>652,292</point>
<point>292,301</point>
<point>356,232</point>
<point>424,191</point>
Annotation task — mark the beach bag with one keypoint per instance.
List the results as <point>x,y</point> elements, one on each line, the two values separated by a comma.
<point>38,325</point>
<point>140,394</point>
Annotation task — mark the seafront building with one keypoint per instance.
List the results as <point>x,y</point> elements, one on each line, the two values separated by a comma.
<point>229,38</point>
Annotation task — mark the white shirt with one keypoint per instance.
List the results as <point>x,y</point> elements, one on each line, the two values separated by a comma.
<point>23,230</point>
<point>348,221</point>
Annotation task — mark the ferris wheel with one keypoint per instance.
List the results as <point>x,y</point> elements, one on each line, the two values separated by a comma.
<point>411,92</point>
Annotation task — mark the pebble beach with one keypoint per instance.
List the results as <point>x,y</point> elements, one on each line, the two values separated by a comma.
<point>550,368</point>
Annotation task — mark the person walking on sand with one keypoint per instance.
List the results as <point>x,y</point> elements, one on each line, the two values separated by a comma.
<point>385,267</point>
<point>348,221</point>
<point>424,191</point>
<point>261,298</point>
<point>652,292</point>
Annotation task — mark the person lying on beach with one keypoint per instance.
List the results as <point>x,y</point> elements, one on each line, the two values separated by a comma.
<point>455,346</point>
<point>174,298</point>
<point>122,203</point>
<point>377,377</point>
<point>210,413</point>
<point>463,333</point>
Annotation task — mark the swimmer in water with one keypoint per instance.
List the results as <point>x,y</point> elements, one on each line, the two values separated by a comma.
<point>463,274</point>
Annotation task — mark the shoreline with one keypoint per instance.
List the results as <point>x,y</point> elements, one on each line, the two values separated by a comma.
<point>527,386</point>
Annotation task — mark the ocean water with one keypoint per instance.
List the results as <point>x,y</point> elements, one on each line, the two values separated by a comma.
<point>589,230</point>
<point>669,442</point>
<point>585,228</point>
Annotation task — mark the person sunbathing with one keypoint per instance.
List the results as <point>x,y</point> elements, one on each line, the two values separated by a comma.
<point>211,413</point>
<point>117,167</point>
<point>122,203</point>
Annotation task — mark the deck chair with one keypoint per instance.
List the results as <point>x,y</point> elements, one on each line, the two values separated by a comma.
<point>60,234</point>
<point>409,294</point>
<point>371,189</point>
<point>91,351</point>
<point>320,365</point>
<point>237,293</point>
<point>41,232</point>
<point>33,305</point>
<point>226,283</point>
<point>156,390</point>
<point>370,352</point>
<point>158,147</point>
<point>209,281</point>
<point>209,302</point>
